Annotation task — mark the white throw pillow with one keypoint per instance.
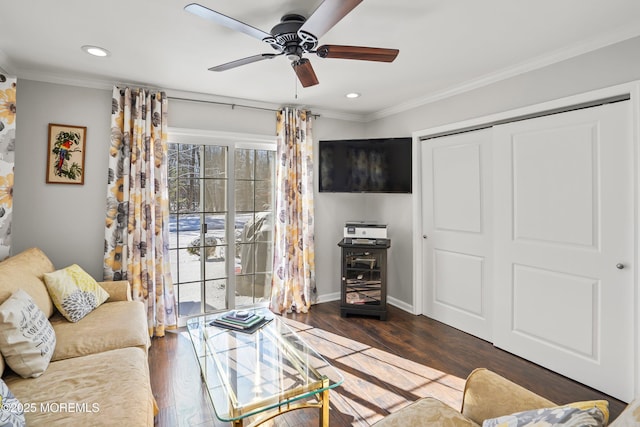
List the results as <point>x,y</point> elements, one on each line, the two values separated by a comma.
<point>27,339</point>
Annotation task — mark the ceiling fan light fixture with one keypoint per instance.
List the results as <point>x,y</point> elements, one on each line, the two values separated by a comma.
<point>95,50</point>
<point>352,95</point>
<point>293,52</point>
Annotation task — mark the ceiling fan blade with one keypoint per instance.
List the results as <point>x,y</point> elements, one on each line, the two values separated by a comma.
<point>228,22</point>
<point>327,15</point>
<point>305,72</point>
<point>244,61</point>
<point>357,52</point>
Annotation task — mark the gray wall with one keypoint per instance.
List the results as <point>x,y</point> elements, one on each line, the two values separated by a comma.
<point>616,64</point>
<point>67,221</point>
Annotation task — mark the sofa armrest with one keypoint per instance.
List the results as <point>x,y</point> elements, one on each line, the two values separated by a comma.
<point>630,416</point>
<point>426,411</point>
<point>489,395</point>
<point>118,290</point>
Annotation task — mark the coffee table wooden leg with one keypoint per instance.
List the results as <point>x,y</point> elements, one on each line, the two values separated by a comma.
<point>238,423</point>
<point>324,409</point>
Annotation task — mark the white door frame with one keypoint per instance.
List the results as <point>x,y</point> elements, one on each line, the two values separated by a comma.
<point>632,89</point>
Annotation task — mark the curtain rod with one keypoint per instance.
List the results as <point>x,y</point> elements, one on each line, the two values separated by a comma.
<point>232,105</point>
<point>177,98</point>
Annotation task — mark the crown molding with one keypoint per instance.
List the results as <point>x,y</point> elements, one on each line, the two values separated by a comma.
<point>339,115</point>
<point>536,63</point>
<point>67,80</point>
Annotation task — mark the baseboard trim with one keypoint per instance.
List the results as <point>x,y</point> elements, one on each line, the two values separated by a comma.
<point>401,305</point>
<point>335,296</point>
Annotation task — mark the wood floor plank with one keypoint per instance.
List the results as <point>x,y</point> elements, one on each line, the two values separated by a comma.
<point>386,365</point>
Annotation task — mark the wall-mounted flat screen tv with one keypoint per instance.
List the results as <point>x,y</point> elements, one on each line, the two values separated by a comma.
<point>381,165</point>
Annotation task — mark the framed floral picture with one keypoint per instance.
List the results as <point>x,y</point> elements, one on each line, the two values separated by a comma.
<point>65,156</point>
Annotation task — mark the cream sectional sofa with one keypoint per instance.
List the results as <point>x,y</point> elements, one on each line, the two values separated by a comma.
<point>489,396</point>
<point>99,372</point>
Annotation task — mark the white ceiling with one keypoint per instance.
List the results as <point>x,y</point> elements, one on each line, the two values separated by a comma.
<point>445,46</point>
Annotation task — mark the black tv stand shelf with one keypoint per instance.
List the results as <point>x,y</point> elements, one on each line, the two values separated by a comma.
<point>363,289</point>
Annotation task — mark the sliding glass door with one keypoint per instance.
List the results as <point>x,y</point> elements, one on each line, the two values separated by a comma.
<point>221,222</point>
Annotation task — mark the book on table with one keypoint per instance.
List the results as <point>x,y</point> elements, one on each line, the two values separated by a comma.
<point>243,321</point>
<point>242,316</point>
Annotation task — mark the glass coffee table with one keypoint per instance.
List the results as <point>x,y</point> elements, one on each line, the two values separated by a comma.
<point>266,373</point>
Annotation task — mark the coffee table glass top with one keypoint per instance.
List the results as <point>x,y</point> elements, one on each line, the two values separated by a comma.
<point>246,374</point>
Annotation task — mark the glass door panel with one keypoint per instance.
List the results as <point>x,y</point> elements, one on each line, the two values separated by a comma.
<point>212,273</point>
<point>198,220</point>
<point>254,172</point>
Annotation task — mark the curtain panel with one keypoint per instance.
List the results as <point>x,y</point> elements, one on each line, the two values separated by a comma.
<point>294,278</point>
<point>7,156</point>
<point>137,219</point>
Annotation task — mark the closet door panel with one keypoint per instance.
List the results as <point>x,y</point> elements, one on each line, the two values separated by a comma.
<point>555,173</point>
<point>456,194</point>
<point>564,236</point>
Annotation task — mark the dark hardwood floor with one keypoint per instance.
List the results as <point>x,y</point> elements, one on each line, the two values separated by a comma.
<point>386,365</point>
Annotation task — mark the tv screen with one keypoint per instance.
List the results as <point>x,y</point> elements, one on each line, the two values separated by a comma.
<point>381,165</point>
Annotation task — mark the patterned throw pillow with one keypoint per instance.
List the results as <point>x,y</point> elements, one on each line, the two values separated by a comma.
<point>11,410</point>
<point>27,339</point>
<point>593,413</point>
<point>74,292</point>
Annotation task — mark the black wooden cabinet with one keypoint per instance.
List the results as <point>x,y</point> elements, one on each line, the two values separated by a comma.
<point>364,277</point>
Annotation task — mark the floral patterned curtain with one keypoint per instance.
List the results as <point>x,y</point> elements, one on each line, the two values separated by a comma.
<point>294,278</point>
<point>137,220</point>
<point>7,155</point>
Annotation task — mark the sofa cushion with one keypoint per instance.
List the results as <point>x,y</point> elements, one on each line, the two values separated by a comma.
<point>425,412</point>
<point>579,414</point>
<point>74,292</point>
<point>25,271</point>
<point>110,326</point>
<point>105,389</point>
<point>27,339</point>
<point>11,409</point>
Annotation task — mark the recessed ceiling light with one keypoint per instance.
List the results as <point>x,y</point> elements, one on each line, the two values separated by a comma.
<point>95,50</point>
<point>352,95</point>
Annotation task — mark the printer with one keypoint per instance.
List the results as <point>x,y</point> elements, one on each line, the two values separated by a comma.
<point>365,232</point>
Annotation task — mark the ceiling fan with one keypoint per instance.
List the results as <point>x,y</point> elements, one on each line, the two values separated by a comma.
<point>296,35</point>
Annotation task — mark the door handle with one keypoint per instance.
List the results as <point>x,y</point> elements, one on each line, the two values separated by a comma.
<point>619,266</point>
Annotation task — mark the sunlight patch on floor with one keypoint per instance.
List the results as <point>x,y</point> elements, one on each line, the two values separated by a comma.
<point>377,382</point>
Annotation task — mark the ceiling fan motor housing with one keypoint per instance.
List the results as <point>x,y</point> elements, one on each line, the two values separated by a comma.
<point>286,38</point>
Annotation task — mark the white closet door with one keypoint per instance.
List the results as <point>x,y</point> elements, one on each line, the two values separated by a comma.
<point>564,235</point>
<point>456,194</point>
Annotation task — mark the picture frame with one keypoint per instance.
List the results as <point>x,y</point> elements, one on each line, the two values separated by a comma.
<point>65,154</point>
